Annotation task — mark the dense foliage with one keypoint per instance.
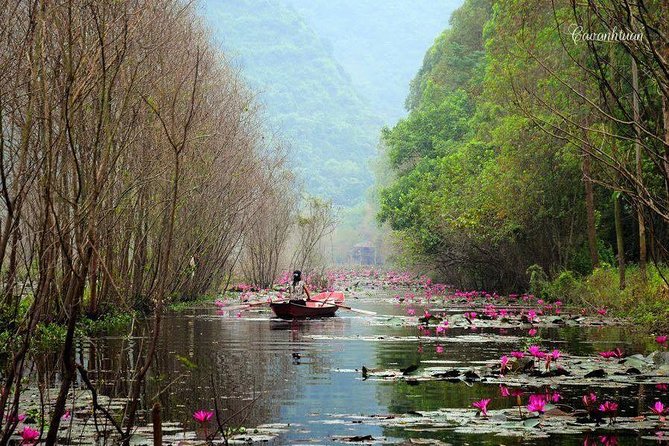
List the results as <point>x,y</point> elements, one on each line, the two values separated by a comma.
<point>519,142</point>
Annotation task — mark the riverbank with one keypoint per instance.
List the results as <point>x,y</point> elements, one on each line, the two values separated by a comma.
<point>644,302</point>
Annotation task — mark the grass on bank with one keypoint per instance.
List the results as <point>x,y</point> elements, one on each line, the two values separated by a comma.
<point>646,302</point>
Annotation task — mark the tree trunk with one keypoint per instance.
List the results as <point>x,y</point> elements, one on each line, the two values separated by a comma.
<point>590,210</point>
<point>620,242</point>
<point>639,170</point>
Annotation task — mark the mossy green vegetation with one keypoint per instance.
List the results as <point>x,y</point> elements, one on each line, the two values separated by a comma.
<point>644,301</point>
<point>184,305</point>
<point>50,336</point>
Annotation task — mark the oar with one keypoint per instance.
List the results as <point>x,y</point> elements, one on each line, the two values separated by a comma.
<point>249,305</point>
<point>357,310</point>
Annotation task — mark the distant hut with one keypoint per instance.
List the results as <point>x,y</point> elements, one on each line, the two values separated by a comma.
<point>363,254</point>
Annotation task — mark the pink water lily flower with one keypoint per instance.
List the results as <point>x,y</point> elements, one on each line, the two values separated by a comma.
<point>536,403</point>
<point>66,416</point>
<point>518,355</point>
<point>20,417</point>
<point>658,408</point>
<point>482,406</point>
<point>440,329</point>
<point>411,312</point>
<point>617,353</point>
<point>589,400</point>
<point>608,407</point>
<point>29,435</point>
<point>202,416</point>
<point>535,351</point>
<point>608,440</point>
<point>661,339</point>
<point>504,391</point>
<point>504,361</point>
<point>555,354</point>
<point>532,332</point>
<point>440,349</point>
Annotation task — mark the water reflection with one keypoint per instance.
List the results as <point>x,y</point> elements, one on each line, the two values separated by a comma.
<point>310,382</point>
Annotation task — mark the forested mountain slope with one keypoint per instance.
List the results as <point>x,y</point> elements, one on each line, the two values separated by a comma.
<point>308,96</point>
<point>330,74</point>
<point>380,43</point>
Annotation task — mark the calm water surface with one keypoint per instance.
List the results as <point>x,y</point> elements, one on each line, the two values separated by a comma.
<point>313,383</point>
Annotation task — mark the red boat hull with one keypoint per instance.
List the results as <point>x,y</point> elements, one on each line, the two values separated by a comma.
<point>308,309</point>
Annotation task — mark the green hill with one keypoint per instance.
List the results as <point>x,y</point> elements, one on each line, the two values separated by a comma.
<point>381,44</point>
<point>309,97</point>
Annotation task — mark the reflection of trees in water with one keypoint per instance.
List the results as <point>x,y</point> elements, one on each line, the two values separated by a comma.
<point>245,358</point>
<point>242,357</point>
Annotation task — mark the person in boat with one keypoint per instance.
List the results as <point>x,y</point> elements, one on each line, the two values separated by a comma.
<point>298,289</point>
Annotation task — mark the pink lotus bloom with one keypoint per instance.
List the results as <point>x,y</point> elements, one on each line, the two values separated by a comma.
<point>504,391</point>
<point>411,312</point>
<point>504,361</point>
<point>440,349</point>
<point>555,354</point>
<point>537,403</point>
<point>658,408</point>
<point>661,339</point>
<point>608,440</point>
<point>532,332</point>
<point>20,418</point>
<point>617,353</point>
<point>517,392</point>
<point>589,400</point>
<point>202,416</point>
<point>535,351</point>
<point>608,407</point>
<point>29,435</point>
<point>482,405</point>
<point>518,355</point>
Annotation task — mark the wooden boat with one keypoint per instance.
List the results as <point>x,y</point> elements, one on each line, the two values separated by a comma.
<point>333,297</point>
<point>302,309</point>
